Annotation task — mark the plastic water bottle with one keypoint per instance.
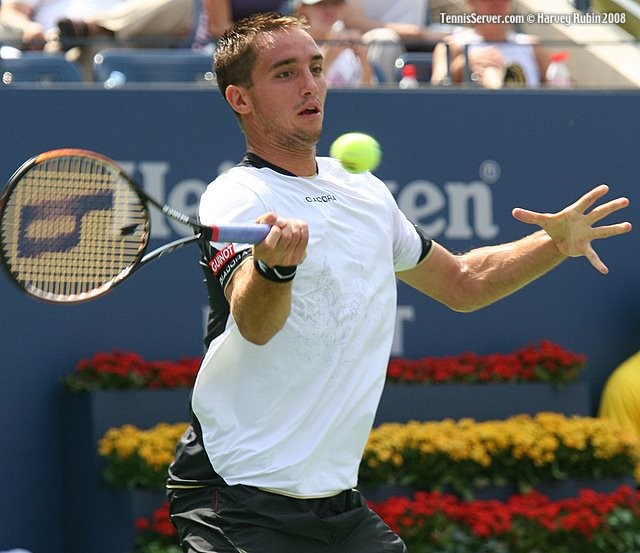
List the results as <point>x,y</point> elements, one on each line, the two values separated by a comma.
<point>116,79</point>
<point>408,77</point>
<point>557,75</point>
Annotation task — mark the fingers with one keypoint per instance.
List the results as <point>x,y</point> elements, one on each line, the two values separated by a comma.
<point>590,198</point>
<point>573,229</point>
<point>529,217</point>
<point>604,210</point>
<point>580,207</point>
<point>600,212</point>
<point>595,260</point>
<point>606,231</point>
<point>286,243</point>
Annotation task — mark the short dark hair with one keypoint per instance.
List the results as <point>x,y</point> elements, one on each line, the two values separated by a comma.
<point>236,51</point>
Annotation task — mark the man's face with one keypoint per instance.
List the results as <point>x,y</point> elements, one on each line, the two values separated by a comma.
<point>286,99</point>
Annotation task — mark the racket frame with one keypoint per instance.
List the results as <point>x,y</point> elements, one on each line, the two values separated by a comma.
<point>226,233</point>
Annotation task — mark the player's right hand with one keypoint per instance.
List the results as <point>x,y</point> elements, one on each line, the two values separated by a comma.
<point>286,243</point>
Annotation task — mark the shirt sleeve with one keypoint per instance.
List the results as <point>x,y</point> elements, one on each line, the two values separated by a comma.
<point>410,243</point>
<point>227,200</point>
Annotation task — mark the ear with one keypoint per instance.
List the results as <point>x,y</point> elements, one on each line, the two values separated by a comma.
<point>238,99</point>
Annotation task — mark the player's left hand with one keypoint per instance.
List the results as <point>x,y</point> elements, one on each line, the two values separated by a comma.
<point>572,229</point>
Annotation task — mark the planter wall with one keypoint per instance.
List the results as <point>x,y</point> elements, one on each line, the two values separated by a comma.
<point>101,520</point>
<point>98,519</point>
<point>424,402</point>
<point>554,490</point>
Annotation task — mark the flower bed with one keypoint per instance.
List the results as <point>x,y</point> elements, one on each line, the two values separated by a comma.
<point>121,370</point>
<point>465,455</point>
<point>156,534</point>
<point>546,362</point>
<point>462,456</point>
<point>139,458</point>
<point>529,523</point>
<point>136,460</point>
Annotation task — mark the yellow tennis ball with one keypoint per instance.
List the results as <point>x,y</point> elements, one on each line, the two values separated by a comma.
<point>356,151</point>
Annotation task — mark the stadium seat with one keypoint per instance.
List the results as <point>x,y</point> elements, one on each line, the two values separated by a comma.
<point>157,65</point>
<point>37,67</point>
<point>423,62</point>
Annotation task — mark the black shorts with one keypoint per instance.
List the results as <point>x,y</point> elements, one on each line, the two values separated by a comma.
<point>244,519</point>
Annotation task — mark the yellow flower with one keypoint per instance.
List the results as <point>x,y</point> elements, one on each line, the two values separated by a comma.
<point>429,454</point>
<point>450,451</point>
<point>155,447</point>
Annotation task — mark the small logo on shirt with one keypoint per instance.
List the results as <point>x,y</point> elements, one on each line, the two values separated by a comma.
<point>221,258</point>
<point>321,199</point>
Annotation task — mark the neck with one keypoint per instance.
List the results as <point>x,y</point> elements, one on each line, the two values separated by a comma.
<point>299,163</point>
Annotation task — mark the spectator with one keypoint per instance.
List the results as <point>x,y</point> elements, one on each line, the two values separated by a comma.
<point>77,22</point>
<point>140,22</point>
<point>390,28</point>
<point>217,15</point>
<point>492,54</point>
<point>25,24</point>
<point>345,56</point>
<point>620,402</point>
<point>9,38</point>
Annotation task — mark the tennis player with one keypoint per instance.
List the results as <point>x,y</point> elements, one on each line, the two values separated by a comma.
<point>302,323</point>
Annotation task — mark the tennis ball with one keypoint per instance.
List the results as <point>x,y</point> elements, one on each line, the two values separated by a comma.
<point>357,152</point>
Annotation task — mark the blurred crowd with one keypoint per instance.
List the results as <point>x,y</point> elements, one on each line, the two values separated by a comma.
<point>365,42</point>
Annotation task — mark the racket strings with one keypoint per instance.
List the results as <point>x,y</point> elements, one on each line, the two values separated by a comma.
<point>72,227</point>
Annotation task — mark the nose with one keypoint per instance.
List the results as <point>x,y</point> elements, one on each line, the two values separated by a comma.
<point>311,84</point>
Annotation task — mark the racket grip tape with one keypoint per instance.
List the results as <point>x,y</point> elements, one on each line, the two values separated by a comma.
<point>241,234</point>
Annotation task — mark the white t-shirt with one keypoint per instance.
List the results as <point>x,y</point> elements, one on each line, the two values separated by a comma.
<point>48,12</point>
<point>345,70</point>
<point>293,416</point>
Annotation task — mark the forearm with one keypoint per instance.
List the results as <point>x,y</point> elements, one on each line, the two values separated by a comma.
<point>218,16</point>
<point>491,273</point>
<point>368,75</point>
<point>414,33</point>
<point>484,275</point>
<point>405,31</point>
<point>447,63</point>
<point>259,307</point>
<point>15,16</point>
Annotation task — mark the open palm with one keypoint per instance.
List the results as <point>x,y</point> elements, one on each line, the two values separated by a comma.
<point>572,229</point>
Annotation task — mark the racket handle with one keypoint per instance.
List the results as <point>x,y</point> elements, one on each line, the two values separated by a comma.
<point>241,234</point>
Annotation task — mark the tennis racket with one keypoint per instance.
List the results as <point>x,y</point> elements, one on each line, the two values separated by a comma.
<point>73,225</point>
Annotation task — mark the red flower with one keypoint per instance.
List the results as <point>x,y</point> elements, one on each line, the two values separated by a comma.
<point>159,524</point>
<point>545,362</point>
<point>122,370</point>
<point>429,517</point>
<point>142,524</point>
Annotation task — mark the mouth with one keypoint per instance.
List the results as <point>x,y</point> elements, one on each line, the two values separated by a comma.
<point>309,111</point>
